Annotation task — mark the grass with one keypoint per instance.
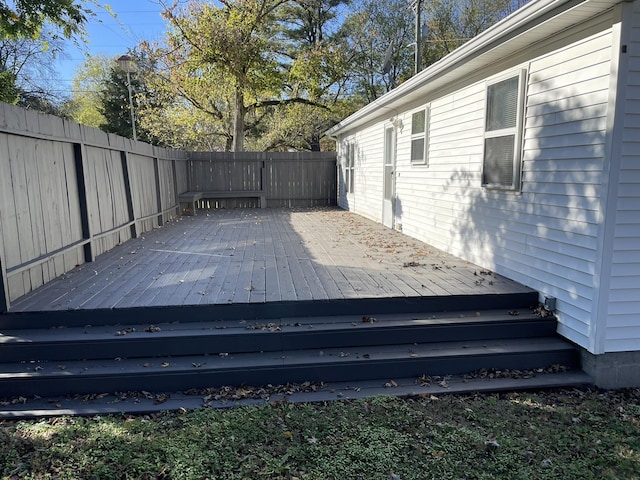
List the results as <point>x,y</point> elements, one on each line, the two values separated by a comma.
<point>547,435</point>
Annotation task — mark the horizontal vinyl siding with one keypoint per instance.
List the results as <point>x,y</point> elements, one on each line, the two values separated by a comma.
<point>546,235</point>
<point>563,158</point>
<point>434,198</point>
<point>366,200</point>
<point>623,321</point>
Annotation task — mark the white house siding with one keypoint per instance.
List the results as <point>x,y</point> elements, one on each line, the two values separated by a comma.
<point>564,154</point>
<point>623,328</point>
<point>431,199</point>
<point>369,150</point>
<point>544,236</point>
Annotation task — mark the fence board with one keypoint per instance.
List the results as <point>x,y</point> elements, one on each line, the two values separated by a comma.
<point>17,160</point>
<point>8,216</point>
<point>69,188</point>
<point>288,179</point>
<point>143,185</point>
<point>54,219</point>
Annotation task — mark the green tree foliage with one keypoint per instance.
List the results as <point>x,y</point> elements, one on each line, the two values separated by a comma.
<point>301,127</point>
<point>30,37</point>
<point>25,66</point>
<point>189,118</point>
<point>25,18</point>
<point>232,49</point>
<point>378,32</point>
<point>8,89</point>
<point>318,69</point>
<point>85,102</point>
<point>450,23</point>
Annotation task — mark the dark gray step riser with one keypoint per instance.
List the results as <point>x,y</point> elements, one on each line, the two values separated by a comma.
<point>267,311</point>
<point>129,346</point>
<point>327,372</point>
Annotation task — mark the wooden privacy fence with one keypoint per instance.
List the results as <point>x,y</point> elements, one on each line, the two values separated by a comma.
<point>285,179</point>
<point>69,193</point>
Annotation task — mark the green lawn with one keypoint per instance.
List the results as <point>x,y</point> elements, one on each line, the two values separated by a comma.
<point>559,435</point>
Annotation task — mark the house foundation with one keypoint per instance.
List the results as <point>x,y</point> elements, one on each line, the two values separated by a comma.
<point>613,370</point>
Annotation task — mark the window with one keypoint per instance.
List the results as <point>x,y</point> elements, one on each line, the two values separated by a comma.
<point>502,138</point>
<point>419,137</point>
<point>349,164</point>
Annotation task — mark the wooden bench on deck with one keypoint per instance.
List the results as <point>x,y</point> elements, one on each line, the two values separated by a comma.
<point>191,198</point>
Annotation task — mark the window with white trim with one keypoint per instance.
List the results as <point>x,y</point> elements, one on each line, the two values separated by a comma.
<point>419,136</point>
<point>349,167</point>
<point>503,133</point>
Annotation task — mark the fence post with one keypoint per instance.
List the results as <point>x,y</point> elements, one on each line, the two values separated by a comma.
<point>189,173</point>
<point>4,288</point>
<point>124,158</point>
<point>174,171</point>
<point>156,172</point>
<point>78,155</point>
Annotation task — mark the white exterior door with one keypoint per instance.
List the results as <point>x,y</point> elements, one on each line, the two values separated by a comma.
<point>388,203</point>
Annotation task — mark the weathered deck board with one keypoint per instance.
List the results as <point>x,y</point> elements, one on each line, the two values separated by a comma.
<point>255,256</point>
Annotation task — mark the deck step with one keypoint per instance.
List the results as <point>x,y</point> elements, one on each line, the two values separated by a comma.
<point>352,341</point>
<point>264,311</point>
<point>326,365</point>
<point>213,337</point>
<point>139,403</point>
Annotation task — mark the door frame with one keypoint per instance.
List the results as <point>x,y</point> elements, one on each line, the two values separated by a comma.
<point>389,176</point>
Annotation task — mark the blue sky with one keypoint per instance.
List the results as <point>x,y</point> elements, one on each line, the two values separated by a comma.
<point>135,20</point>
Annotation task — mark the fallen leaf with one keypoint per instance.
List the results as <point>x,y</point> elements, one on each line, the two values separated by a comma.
<point>492,444</point>
<point>161,398</point>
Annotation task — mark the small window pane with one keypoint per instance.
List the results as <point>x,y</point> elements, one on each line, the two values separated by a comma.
<point>498,161</point>
<point>388,182</point>
<point>417,150</point>
<point>502,104</point>
<point>417,122</point>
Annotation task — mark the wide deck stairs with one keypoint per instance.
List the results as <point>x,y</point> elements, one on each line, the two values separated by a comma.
<point>394,345</point>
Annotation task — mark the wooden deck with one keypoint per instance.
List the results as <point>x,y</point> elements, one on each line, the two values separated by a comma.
<point>257,256</point>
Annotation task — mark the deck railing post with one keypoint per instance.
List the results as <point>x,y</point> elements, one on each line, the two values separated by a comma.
<point>78,154</point>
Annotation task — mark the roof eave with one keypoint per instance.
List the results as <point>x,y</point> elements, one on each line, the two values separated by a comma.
<point>520,21</point>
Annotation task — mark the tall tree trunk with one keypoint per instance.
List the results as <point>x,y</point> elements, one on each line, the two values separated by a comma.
<point>238,121</point>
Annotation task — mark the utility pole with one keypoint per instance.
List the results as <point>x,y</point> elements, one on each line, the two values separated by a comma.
<point>416,6</point>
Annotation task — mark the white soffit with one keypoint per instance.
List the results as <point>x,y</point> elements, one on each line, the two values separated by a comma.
<point>536,21</point>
